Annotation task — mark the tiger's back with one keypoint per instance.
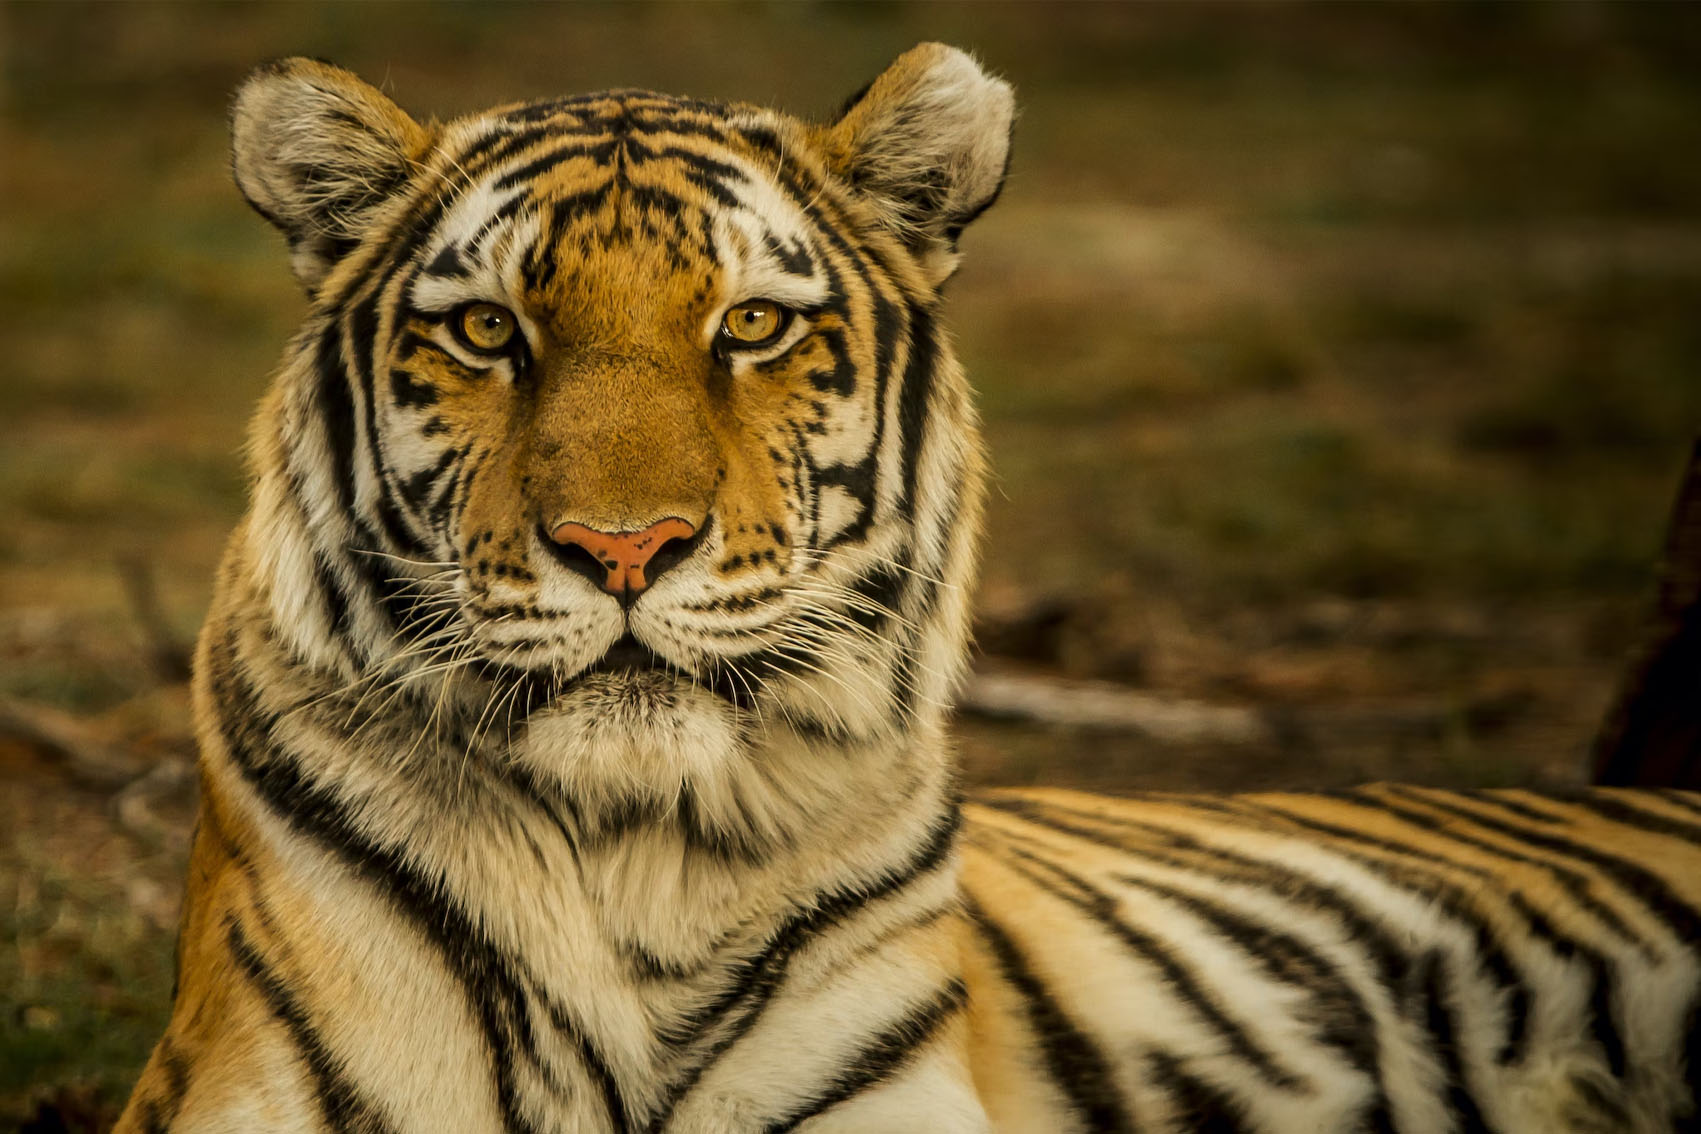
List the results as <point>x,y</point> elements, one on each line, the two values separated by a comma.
<point>1389,958</point>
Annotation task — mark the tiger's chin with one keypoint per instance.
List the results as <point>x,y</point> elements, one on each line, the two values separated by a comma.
<point>632,741</point>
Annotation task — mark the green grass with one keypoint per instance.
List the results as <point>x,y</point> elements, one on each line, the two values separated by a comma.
<point>88,985</point>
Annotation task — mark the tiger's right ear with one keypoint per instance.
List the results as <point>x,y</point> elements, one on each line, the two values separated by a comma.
<point>314,149</point>
<point>927,144</point>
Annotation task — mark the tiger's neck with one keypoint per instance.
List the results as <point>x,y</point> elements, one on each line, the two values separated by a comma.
<point>423,857</point>
<point>672,861</point>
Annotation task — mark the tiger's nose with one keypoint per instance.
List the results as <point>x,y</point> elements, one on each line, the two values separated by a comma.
<point>624,563</point>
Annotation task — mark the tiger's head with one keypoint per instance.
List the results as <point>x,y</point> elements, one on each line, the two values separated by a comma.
<point>637,401</point>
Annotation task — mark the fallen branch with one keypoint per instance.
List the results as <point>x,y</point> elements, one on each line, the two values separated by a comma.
<point>1097,705</point>
<point>172,778</point>
<point>168,655</point>
<point>88,757</point>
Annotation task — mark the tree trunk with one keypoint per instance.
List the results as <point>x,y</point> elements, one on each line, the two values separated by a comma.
<point>1652,736</point>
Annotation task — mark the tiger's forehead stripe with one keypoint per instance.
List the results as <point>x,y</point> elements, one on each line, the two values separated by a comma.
<point>697,200</point>
<point>468,150</point>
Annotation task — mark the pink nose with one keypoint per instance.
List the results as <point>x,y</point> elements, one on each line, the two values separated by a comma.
<point>628,558</point>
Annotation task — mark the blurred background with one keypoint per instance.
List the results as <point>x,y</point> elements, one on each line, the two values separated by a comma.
<point>1338,362</point>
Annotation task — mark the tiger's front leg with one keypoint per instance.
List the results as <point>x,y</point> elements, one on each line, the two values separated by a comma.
<point>868,1032</point>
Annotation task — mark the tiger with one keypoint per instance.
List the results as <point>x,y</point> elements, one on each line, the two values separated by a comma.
<point>573,704</point>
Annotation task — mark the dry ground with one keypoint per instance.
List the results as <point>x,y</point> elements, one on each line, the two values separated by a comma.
<point>1337,362</point>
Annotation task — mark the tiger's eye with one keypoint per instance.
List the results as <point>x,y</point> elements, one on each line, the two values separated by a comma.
<point>755,322</point>
<point>486,327</point>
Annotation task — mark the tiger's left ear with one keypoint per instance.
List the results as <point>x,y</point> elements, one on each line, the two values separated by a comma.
<point>314,150</point>
<point>928,142</point>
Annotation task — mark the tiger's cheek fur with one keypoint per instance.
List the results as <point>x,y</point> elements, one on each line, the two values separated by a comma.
<point>764,500</point>
<point>448,426</point>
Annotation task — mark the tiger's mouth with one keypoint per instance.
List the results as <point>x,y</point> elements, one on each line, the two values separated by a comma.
<point>628,655</point>
<point>630,661</point>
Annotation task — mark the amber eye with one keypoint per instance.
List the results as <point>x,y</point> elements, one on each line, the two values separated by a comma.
<point>755,323</point>
<point>485,327</point>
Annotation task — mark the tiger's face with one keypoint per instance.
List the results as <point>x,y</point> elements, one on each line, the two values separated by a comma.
<point>640,397</point>
<point>646,335</point>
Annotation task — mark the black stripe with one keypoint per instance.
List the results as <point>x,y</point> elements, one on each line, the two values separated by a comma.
<point>695,160</point>
<point>454,497</point>
<point>919,374</point>
<point>883,588</point>
<point>1431,988</point>
<point>711,186</point>
<point>330,588</point>
<point>448,263</point>
<point>324,580</point>
<point>340,1102</point>
<point>1424,882</point>
<point>762,139</point>
<point>889,325</point>
<point>1102,908</point>
<point>155,1114</point>
<point>362,337</point>
<point>519,208</point>
<point>1576,885</point>
<point>150,1119</point>
<point>1602,1022</point>
<point>859,478</point>
<point>612,1100</point>
<point>1626,811</point>
<point>740,842</point>
<point>495,984</point>
<point>336,411</point>
<point>418,613</point>
<point>417,488</point>
<point>1199,1107</point>
<point>1688,800</point>
<point>1077,1065</point>
<point>560,810</point>
<point>755,981</point>
<point>1420,874</point>
<point>794,258</point>
<point>881,1057</point>
<point>1344,1019</point>
<point>1422,877</point>
<point>663,201</point>
<point>1384,951</point>
<point>1645,886</point>
<point>407,388</point>
<point>1341,1019</point>
<point>828,910</point>
<point>840,378</point>
<point>598,152</point>
<point>489,151</point>
<point>1494,798</point>
<point>176,1074</point>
